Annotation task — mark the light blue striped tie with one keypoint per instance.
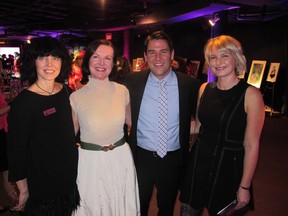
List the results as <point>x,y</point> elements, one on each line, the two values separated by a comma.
<point>162,136</point>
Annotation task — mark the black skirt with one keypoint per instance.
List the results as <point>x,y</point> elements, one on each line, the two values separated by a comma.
<point>62,206</point>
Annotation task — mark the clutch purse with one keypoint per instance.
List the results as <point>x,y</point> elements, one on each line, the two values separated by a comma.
<point>230,210</point>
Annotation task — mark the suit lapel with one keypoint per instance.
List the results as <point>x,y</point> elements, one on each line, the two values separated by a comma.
<point>180,92</point>
<point>141,84</point>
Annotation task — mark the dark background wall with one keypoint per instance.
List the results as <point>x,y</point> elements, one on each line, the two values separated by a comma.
<point>260,40</point>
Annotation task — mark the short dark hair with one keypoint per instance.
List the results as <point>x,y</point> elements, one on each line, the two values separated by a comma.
<point>157,35</point>
<point>40,47</point>
<point>92,47</point>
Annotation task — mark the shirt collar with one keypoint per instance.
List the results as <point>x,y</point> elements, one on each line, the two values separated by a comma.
<point>154,80</point>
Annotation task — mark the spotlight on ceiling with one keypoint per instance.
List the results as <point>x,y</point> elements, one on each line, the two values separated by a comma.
<point>213,21</point>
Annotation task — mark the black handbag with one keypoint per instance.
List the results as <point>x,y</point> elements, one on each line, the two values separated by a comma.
<point>230,210</point>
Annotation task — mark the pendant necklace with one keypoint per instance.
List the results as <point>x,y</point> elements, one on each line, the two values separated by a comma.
<point>50,93</point>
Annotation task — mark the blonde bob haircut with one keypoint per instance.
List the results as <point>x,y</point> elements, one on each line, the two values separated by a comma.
<point>226,43</point>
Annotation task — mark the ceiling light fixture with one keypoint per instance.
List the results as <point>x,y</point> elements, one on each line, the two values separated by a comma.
<point>215,19</point>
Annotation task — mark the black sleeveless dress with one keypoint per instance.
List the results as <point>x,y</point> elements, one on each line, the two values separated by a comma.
<point>215,166</point>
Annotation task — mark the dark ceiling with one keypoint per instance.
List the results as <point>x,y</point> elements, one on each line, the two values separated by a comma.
<point>21,19</point>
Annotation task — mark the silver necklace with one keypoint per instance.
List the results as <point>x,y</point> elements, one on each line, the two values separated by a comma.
<point>50,93</point>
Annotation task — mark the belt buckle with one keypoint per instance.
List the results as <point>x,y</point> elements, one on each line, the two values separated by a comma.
<point>111,147</point>
<point>108,148</point>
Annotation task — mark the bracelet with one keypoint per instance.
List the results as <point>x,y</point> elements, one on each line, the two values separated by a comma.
<point>244,188</point>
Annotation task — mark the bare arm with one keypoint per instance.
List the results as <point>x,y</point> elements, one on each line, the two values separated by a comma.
<point>75,122</point>
<point>128,115</point>
<point>195,124</point>
<point>254,107</point>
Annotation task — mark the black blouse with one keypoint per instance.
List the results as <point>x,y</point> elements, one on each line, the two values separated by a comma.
<point>41,144</point>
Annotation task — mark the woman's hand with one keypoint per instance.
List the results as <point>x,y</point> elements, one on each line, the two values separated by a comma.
<point>243,198</point>
<point>23,197</point>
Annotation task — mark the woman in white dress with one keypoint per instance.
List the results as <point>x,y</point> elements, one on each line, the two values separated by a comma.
<point>106,173</point>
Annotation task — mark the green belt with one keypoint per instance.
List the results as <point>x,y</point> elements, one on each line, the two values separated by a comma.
<point>96,147</point>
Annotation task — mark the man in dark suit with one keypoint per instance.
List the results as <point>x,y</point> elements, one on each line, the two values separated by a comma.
<point>163,171</point>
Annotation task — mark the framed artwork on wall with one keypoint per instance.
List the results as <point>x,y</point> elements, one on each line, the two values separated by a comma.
<point>273,72</point>
<point>134,63</point>
<point>137,64</point>
<point>256,73</point>
<point>193,68</point>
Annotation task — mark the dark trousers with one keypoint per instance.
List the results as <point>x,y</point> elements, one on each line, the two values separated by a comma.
<point>164,174</point>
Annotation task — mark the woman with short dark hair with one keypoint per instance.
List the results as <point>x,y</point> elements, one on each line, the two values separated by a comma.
<point>42,151</point>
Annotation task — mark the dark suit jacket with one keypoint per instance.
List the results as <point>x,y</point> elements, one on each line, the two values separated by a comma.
<point>188,91</point>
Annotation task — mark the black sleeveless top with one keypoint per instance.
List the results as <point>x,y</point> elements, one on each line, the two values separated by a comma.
<point>221,113</point>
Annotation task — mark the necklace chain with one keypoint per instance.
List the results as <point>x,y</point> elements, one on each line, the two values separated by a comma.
<point>50,93</point>
<point>229,87</point>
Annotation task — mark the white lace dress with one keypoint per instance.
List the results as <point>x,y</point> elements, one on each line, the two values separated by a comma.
<point>107,180</point>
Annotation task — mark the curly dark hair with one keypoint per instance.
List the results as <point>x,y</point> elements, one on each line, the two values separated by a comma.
<point>40,47</point>
<point>92,47</point>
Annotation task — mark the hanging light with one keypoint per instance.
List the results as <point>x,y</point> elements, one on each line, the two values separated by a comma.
<point>213,21</point>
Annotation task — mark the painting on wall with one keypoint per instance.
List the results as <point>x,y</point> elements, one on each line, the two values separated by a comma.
<point>273,72</point>
<point>137,64</point>
<point>193,68</point>
<point>256,73</point>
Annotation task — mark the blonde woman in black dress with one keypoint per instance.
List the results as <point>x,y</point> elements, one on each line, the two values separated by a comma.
<point>230,118</point>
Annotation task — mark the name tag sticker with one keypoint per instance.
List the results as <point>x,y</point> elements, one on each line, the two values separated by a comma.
<point>49,111</point>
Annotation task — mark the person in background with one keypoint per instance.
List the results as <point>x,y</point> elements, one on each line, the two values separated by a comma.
<point>192,69</point>
<point>154,167</point>
<point>42,152</point>
<point>75,78</point>
<point>9,188</point>
<point>10,62</point>
<point>106,173</point>
<point>119,74</point>
<point>230,118</point>
<point>123,69</point>
<point>16,62</point>
<point>1,74</point>
<point>1,67</point>
<point>4,62</point>
<point>178,64</point>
